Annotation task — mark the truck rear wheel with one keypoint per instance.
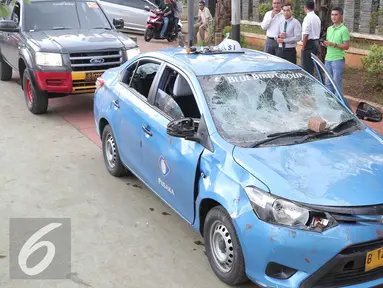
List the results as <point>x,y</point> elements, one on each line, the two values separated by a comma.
<point>36,100</point>
<point>5,70</point>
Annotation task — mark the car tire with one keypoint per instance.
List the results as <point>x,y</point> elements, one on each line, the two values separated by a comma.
<point>149,33</point>
<point>223,249</point>
<point>111,155</point>
<point>36,100</point>
<point>5,70</point>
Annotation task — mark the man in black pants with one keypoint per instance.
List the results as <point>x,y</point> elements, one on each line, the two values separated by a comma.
<point>311,28</point>
<point>289,34</point>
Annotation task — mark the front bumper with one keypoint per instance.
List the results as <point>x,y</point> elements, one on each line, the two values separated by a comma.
<point>334,258</point>
<point>79,82</point>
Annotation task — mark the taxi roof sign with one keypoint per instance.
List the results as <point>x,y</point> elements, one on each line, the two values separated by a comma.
<point>230,45</point>
<point>226,46</point>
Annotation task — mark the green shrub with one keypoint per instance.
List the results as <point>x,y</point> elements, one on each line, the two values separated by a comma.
<point>202,43</point>
<point>5,11</point>
<point>298,11</point>
<point>264,7</point>
<point>373,64</point>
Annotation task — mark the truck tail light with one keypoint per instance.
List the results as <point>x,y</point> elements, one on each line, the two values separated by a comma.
<point>99,83</point>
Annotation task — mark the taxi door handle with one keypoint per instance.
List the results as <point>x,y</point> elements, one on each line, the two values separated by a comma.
<point>147,131</point>
<point>115,103</point>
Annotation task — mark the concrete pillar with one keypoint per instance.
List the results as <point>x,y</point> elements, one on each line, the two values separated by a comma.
<point>349,13</point>
<point>365,16</point>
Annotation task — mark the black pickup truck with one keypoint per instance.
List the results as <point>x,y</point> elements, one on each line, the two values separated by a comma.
<point>60,48</point>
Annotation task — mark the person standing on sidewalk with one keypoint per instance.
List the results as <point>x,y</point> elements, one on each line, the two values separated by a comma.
<point>311,27</point>
<point>337,41</point>
<point>178,6</point>
<point>202,25</point>
<point>271,23</point>
<point>289,34</point>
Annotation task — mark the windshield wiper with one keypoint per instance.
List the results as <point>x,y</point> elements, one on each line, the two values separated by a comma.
<point>61,28</point>
<point>275,136</point>
<point>309,134</point>
<point>106,28</point>
<point>292,133</point>
<point>320,134</point>
<point>342,124</point>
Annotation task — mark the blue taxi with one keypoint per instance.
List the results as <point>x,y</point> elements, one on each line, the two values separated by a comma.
<point>222,136</point>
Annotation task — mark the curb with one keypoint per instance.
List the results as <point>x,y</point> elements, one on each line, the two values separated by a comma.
<point>355,101</point>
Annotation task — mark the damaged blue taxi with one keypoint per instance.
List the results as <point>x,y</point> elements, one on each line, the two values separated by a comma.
<point>223,136</point>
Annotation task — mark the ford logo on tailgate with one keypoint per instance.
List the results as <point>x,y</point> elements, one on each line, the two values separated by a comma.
<point>97,60</point>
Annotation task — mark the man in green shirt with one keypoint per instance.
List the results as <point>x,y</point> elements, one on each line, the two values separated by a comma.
<point>337,41</point>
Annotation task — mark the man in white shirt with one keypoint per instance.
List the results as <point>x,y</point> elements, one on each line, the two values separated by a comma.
<point>311,28</point>
<point>289,34</point>
<point>271,22</point>
<point>204,18</point>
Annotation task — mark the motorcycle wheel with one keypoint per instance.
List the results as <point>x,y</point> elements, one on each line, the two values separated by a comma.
<point>148,34</point>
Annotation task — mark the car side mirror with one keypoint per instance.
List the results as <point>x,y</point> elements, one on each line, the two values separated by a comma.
<point>9,26</point>
<point>182,128</point>
<point>118,23</point>
<point>147,8</point>
<point>368,112</point>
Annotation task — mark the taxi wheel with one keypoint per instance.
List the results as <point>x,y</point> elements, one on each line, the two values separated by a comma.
<point>111,155</point>
<point>36,100</point>
<point>223,249</point>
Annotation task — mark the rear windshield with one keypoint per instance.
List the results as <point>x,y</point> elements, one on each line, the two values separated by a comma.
<point>248,107</point>
<point>59,15</point>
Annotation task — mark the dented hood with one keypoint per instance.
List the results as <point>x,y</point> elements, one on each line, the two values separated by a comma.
<point>342,171</point>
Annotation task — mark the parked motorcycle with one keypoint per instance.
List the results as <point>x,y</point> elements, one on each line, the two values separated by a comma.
<point>154,26</point>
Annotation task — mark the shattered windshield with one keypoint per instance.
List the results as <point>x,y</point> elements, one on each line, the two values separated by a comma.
<point>248,107</point>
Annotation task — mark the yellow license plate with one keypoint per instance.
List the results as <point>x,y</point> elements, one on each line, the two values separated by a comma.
<point>92,76</point>
<point>374,259</point>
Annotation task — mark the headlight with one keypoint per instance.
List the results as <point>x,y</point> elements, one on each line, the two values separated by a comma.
<point>48,59</point>
<point>278,211</point>
<point>132,53</point>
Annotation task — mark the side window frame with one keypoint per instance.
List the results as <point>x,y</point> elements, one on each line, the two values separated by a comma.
<point>154,92</point>
<point>137,65</point>
<point>123,73</point>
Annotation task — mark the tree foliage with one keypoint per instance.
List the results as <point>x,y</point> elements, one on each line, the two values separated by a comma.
<point>373,64</point>
<point>5,9</point>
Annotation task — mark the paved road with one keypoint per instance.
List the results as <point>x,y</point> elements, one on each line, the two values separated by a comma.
<point>122,234</point>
